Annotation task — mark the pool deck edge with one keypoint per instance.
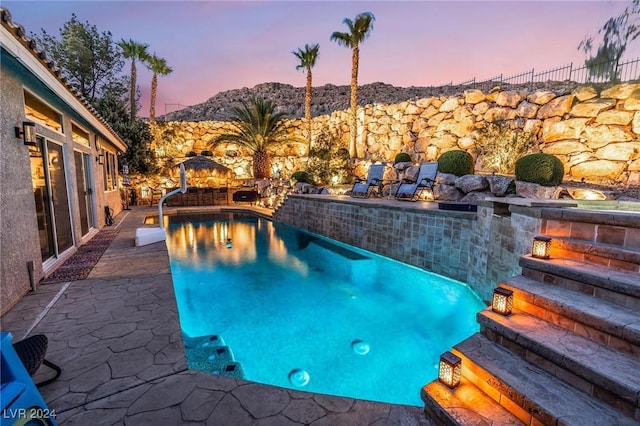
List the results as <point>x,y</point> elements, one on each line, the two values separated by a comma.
<point>117,337</point>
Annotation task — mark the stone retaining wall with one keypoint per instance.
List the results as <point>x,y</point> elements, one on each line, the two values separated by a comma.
<point>595,134</point>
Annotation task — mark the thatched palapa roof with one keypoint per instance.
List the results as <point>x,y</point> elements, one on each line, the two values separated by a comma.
<point>200,162</point>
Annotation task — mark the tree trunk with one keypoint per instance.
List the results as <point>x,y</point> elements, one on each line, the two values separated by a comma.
<point>353,124</point>
<point>261,164</point>
<point>307,108</point>
<point>133,90</point>
<point>152,104</point>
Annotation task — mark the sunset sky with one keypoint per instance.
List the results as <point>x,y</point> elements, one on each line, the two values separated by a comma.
<point>214,46</point>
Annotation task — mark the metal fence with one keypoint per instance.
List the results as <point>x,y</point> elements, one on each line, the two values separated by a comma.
<point>599,73</point>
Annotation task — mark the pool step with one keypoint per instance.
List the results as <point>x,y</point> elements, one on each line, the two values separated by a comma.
<point>211,354</point>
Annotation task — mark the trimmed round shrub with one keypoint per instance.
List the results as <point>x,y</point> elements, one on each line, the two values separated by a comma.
<point>540,168</point>
<point>402,157</point>
<point>302,176</point>
<point>457,162</point>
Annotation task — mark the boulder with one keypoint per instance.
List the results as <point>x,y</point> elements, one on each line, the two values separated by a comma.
<point>622,118</point>
<point>592,108</point>
<point>586,194</point>
<point>598,168</point>
<point>533,190</point>
<point>584,93</point>
<point>620,91</point>
<point>473,96</point>
<point>449,105</point>
<point>470,183</point>
<point>509,99</point>
<point>474,197</point>
<point>443,192</point>
<point>541,97</point>
<point>446,179</point>
<point>499,184</point>
<point>556,107</point>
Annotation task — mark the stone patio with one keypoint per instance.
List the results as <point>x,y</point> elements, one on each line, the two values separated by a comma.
<point>117,337</point>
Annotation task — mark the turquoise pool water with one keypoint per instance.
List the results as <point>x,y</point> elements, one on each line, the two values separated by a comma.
<point>303,312</point>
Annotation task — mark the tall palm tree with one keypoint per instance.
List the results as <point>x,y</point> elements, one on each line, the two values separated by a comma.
<point>308,58</point>
<point>256,126</point>
<point>359,30</point>
<point>157,66</point>
<point>136,52</point>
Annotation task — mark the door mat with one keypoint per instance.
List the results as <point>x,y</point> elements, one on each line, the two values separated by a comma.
<point>79,266</point>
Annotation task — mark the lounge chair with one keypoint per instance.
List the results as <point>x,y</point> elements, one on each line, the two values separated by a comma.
<point>31,352</point>
<point>425,180</point>
<point>361,188</point>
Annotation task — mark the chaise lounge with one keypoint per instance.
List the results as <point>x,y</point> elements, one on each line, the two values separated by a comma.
<point>425,180</point>
<point>374,179</point>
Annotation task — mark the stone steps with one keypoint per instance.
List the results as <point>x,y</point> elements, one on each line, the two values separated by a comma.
<point>617,286</point>
<point>570,351</point>
<point>611,256</point>
<point>530,393</point>
<point>591,367</point>
<point>467,405</point>
<point>596,319</point>
<point>211,354</point>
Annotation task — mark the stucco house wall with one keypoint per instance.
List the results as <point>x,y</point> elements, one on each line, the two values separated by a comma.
<point>23,68</point>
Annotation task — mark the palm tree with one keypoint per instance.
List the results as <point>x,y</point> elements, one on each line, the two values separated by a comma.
<point>157,66</point>
<point>308,58</point>
<point>136,52</point>
<point>359,30</point>
<point>256,126</point>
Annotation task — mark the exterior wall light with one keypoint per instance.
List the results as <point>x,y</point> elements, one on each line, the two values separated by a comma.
<point>449,370</point>
<point>27,133</point>
<point>541,247</point>
<point>502,302</point>
<point>100,159</point>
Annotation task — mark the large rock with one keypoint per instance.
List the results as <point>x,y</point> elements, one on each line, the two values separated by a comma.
<point>527,110</point>
<point>449,105</point>
<point>619,151</point>
<point>541,97</point>
<point>632,103</point>
<point>509,99</point>
<point>443,192</point>
<point>556,107</point>
<point>584,93</point>
<point>458,128</point>
<point>598,136</point>
<point>620,91</point>
<point>553,130</point>
<point>470,183</point>
<point>474,197</point>
<point>598,168</point>
<point>622,118</point>
<point>498,184</point>
<point>474,96</point>
<point>592,108</point>
<point>446,178</point>
<point>565,147</point>
<point>533,190</point>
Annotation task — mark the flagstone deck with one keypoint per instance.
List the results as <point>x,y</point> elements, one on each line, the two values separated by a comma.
<point>117,337</point>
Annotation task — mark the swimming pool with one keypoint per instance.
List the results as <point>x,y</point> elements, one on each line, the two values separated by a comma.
<point>296,310</point>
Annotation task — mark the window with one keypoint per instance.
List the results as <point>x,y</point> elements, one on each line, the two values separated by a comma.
<point>110,172</point>
<point>79,136</point>
<point>37,110</point>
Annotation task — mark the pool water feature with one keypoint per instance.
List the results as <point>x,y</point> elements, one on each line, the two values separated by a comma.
<point>300,311</point>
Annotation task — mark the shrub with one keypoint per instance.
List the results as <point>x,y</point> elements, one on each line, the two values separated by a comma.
<point>500,146</point>
<point>543,169</point>
<point>207,153</point>
<point>190,154</point>
<point>457,162</point>
<point>402,157</point>
<point>302,176</point>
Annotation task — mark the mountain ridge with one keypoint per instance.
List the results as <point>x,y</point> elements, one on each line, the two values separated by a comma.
<point>328,98</point>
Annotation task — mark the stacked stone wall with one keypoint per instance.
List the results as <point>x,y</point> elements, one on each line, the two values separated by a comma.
<point>595,134</point>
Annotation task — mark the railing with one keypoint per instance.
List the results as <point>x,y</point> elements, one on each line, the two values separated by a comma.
<point>609,71</point>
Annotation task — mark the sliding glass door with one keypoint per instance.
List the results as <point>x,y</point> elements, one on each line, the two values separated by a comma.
<point>85,191</point>
<point>51,196</point>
